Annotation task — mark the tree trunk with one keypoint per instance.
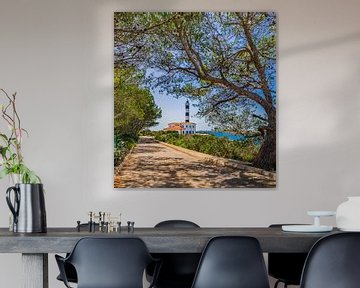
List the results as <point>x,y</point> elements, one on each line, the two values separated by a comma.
<point>266,158</point>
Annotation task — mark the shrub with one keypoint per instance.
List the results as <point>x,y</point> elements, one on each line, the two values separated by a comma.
<point>122,146</point>
<point>244,150</point>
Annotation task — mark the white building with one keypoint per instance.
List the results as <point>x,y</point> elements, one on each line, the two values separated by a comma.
<point>186,127</point>
<point>182,127</point>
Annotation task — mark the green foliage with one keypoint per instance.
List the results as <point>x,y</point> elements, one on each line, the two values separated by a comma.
<point>240,121</point>
<point>245,150</point>
<point>26,175</point>
<point>12,161</point>
<point>122,146</point>
<point>134,110</point>
<point>223,64</point>
<point>134,106</point>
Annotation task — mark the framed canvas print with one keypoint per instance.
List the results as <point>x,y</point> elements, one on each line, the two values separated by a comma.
<point>194,100</point>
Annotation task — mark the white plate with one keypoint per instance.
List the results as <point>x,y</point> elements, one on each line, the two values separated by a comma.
<point>306,228</point>
<point>321,213</point>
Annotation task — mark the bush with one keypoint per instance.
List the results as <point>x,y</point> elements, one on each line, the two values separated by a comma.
<point>245,150</point>
<point>122,146</point>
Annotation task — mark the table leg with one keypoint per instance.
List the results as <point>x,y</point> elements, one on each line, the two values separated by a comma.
<point>35,270</point>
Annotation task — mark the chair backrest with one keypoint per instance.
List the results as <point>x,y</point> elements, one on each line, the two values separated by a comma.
<point>110,262</point>
<point>178,269</point>
<point>176,224</point>
<point>333,262</point>
<point>232,262</point>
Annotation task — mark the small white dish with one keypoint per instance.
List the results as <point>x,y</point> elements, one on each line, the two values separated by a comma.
<point>306,228</point>
<point>321,213</point>
<point>316,227</point>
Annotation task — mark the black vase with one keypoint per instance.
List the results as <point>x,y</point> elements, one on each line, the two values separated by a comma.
<point>28,208</point>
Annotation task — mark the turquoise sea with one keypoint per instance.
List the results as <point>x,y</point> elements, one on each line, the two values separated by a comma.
<point>237,137</point>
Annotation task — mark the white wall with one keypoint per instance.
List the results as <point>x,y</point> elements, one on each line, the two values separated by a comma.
<point>58,56</point>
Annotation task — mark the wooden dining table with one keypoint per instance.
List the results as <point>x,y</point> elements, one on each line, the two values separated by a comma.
<point>35,247</point>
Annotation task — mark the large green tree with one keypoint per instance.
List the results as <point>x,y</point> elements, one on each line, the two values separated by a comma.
<point>220,60</point>
<point>134,106</point>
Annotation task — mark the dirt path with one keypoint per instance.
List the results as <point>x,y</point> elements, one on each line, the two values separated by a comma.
<point>154,165</point>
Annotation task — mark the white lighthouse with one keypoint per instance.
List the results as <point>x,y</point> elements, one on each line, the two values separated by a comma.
<point>186,127</point>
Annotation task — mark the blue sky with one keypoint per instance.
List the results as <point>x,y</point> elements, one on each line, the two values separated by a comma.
<point>173,110</point>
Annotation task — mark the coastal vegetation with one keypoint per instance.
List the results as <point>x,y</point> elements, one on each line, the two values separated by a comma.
<point>134,110</point>
<point>245,150</point>
<point>122,146</point>
<point>225,62</point>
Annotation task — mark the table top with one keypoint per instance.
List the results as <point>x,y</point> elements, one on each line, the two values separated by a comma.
<point>158,240</point>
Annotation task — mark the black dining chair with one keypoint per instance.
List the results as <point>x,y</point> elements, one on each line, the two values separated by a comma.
<point>232,262</point>
<point>285,267</point>
<point>178,269</point>
<point>333,262</point>
<point>70,271</point>
<point>108,263</point>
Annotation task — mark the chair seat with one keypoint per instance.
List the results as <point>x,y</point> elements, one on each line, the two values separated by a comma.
<point>177,270</point>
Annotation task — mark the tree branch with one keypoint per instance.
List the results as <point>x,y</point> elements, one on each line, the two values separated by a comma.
<point>261,118</point>
<point>202,73</point>
<point>144,30</point>
<point>255,57</point>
